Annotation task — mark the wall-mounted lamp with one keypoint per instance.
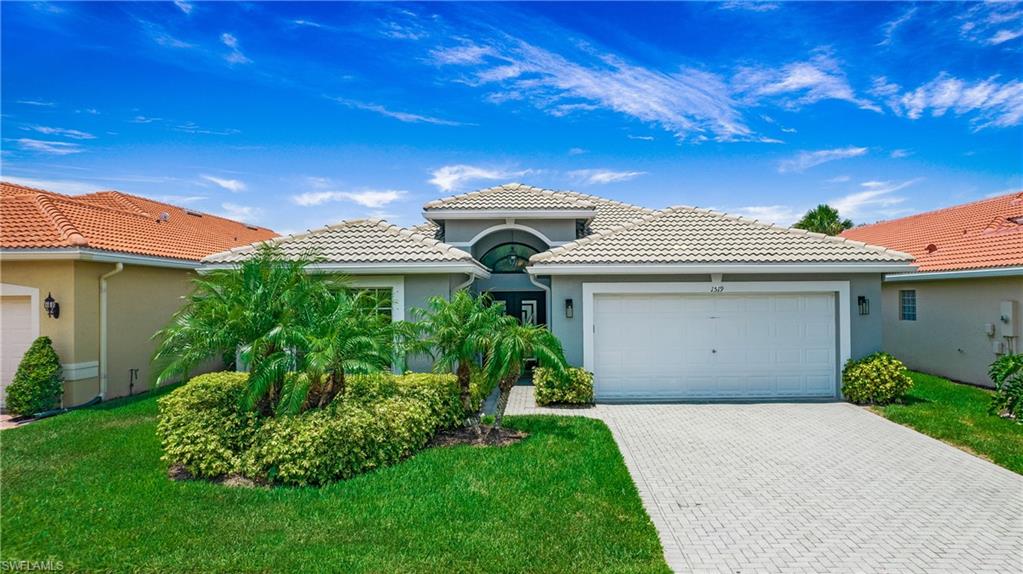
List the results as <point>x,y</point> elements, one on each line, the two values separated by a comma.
<point>569,310</point>
<point>864,305</point>
<point>52,307</point>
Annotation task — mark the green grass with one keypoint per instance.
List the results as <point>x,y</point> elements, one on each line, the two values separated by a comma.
<point>88,488</point>
<point>958,414</point>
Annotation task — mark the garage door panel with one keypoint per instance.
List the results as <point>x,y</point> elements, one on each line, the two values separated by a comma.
<point>707,347</point>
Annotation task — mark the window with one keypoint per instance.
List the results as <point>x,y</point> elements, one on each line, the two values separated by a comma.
<point>508,258</point>
<point>907,305</point>
<point>378,298</point>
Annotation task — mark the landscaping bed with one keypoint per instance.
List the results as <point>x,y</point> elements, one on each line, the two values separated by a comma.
<point>959,415</point>
<point>89,489</point>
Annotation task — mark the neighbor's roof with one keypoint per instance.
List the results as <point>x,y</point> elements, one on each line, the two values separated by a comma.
<point>516,196</point>
<point>681,235</point>
<point>33,218</point>
<point>357,241</point>
<point>982,234</point>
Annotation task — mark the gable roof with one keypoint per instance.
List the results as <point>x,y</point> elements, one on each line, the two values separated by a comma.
<point>358,243</point>
<point>688,235</point>
<point>606,213</point>
<point>977,235</point>
<point>33,218</point>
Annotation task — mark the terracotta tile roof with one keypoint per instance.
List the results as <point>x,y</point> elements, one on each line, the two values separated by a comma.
<point>982,234</point>
<point>692,235</point>
<point>113,221</point>
<point>357,241</point>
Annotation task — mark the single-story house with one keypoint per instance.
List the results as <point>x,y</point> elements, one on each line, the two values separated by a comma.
<point>679,303</point>
<point>960,310</point>
<point>113,268</point>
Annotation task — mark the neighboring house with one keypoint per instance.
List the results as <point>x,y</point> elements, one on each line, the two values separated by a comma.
<point>960,310</point>
<point>116,264</point>
<point>681,303</point>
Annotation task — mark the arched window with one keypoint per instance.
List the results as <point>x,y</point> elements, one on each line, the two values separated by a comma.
<point>508,258</point>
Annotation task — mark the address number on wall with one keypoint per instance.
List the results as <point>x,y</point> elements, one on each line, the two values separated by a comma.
<point>717,289</point>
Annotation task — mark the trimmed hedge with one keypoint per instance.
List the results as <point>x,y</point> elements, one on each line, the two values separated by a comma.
<point>380,419</point>
<point>573,387</point>
<point>203,427</point>
<point>877,379</point>
<point>37,384</point>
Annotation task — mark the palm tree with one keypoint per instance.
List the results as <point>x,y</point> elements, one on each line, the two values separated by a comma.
<point>459,332</point>
<point>513,344</point>
<point>823,219</point>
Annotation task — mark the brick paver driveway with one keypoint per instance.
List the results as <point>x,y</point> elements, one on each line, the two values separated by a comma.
<point>825,487</point>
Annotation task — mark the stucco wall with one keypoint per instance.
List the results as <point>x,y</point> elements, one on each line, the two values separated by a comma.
<point>948,337</point>
<point>865,331</point>
<point>56,277</point>
<point>463,230</point>
<point>418,290</point>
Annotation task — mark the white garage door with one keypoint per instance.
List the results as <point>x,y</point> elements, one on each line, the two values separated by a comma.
<point>678,346</point>
<point>15,337</point>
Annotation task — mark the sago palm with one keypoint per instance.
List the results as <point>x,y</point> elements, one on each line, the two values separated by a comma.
<point>512,345</point>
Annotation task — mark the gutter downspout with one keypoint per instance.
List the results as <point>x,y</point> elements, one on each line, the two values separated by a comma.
<point>547,290</point>
<point>460,286</point>
<point>103,374</point>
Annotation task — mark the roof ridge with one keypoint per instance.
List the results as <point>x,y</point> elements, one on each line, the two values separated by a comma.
<point>441,247</point>
<point>122,199</point>
<point>632,223</point>
<point>68,232</point>
<point>512,186</point>
<point>1018,194</point>
<point>592,197</point>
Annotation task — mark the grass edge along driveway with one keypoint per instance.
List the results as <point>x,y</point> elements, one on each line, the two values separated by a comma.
<point>88,489</point>
<point>958,415</point>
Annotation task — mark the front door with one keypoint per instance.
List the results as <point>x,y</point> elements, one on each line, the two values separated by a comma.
<point>526,306</point>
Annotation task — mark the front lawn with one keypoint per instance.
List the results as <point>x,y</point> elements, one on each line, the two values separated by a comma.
<point>89,489</point>
<point>958,414</point>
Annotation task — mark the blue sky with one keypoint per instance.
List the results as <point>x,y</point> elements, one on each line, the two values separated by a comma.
<point>297,115</point>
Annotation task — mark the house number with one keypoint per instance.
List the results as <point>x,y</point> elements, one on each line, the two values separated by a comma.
<point>717,289</point>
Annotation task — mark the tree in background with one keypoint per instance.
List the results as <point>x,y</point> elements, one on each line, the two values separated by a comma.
<point>37,384</point>
<point>823,219</point>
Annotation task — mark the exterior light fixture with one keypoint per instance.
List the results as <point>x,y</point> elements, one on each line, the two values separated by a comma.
<point>864,305</point>
<point>52,307</point>
<point>569,310</point>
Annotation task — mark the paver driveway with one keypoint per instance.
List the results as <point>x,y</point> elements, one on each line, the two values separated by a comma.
<point>825,487</point>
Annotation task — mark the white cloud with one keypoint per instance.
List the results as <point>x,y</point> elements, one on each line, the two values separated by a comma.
<point>65,186</point>
<point>144,120</point>
<point>687,102</point>
<point>184,6</point>
<point>900,153</point>
<point>51,147</point>
<point>454,177</point>
<point>39,103</point>
<point>158,34</point>
<point>72,134</point>
<point>783,215</point>
<point>799,83</point>
<point>576,151</point>
<point>991,23</point>
<point>804,160</point>
<point>749,6</point>
<point>1003,36</point>
<point>993,103</point>
<point>400,116</point>
<point>366,198</point>
<point>641,138</point>
<point>892,26</point>
<point>246,213</point>
<point>875,199</point>
<point>235,56</point>
<point>232,185</point>
<point>193,128</point>
<point>839,179</point>
<point>601,176</point>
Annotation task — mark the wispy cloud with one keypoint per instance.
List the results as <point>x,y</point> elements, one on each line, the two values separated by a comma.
<point>185,7</point>
<point>456,177</point>
<point>406,117</point>
<point>246,213</point>
<point>641,138</point>
<point>366,198</point>
<point>749,6</point>
<point>235,55</point>
<point>161,36</point>
<point>799,83</point>
<point>65,186</point>
<point>804,160</point>
<point>900,153</point>
<point>144,120</point>
<point>576,151</point>
<point>39,103</point>
<point>784,215</point>
<point>992,23</point>
<point>232,185</point>
<point>601,176</point>
<point>889,28</point>
<point>62,132</point>
<point>193,128</point>
<point>994,103</point>
<point>876,199</point>
<point>50,147</point>
<point>690,103</point>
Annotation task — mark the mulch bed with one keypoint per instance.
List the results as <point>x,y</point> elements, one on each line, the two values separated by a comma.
<point>460,436</point>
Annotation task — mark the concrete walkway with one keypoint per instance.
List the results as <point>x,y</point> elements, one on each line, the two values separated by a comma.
<point>810,488</point>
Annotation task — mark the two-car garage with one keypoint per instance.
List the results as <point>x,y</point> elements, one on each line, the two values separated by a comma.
<point>702,342</point>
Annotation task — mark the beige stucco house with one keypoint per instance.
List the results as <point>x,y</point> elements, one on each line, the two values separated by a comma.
<point>117,266</point>
<point>960,310</point>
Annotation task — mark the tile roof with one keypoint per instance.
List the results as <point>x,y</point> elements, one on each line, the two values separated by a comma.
<point>113,221</point>
<point>357,241</point>
<point>692,235</point>
<point>977,235</point>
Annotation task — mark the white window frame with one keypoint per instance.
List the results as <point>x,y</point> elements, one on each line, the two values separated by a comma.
<point>916,305</point>
<point>840,288</point>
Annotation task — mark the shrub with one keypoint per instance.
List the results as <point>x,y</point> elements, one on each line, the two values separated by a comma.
<point>573,387</point>
<point>203,427</point>
<point>37,385</point>
<point>1007,375</point>
<point>877,379</point>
